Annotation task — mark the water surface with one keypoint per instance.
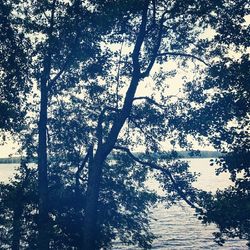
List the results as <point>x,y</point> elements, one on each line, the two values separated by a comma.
<point>176,227</point>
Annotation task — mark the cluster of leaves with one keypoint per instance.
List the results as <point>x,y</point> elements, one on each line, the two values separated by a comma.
<point>14,64</point>
<point>229,210</point>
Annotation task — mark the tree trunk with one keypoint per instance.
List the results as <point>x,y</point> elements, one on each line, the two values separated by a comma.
<point>90,230</point>
<point>18,211</point>
<point>43,224</point>
<point>17,214</point>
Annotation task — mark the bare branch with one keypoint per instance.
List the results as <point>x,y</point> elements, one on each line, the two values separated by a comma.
<point>183,55</point>
<point>150,100</point>
<point>79,170</point>
<point>165,171</point>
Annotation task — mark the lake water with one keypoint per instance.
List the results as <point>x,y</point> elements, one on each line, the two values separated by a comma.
<point>176,227</point>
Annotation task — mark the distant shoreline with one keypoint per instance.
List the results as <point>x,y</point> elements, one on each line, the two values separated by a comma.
<point>10,160</point>
<point>179,155</point>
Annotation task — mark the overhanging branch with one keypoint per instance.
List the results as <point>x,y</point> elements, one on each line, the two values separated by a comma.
<point>165,171</point>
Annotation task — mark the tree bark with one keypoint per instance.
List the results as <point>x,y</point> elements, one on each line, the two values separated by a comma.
<point>90,230</point>
<point>43,219</point>
<point>43,224</point>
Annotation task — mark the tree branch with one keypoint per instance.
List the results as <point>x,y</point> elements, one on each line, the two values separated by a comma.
<point>136,75</point>
<point>47,61</point>
<point>140,38</point>
<point>99,127</point>
<point>118,74</point>
<point>100,121</point>
<point>60,72</point>
<point>137,126</point>
<point>156,48</point>
<point>183,55</point>
<point>152,25</point>
<point>150,100</point>
<point>79,170</point>
<point>165,171</point>
<point>70,54</point>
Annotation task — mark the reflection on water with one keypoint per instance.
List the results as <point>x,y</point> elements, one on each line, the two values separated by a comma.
<point>176,227</point>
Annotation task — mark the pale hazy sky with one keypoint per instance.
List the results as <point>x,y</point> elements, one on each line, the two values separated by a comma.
<point>8,148</point>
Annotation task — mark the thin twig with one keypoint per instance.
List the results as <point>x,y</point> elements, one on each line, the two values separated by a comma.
<point>183,55</point>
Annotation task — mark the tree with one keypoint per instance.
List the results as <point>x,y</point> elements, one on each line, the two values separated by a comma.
<point>229,209</point>
<point>104,90</point>
<point>156,26</point>
<point>55,33</point>
<point>124,205</point>
<point>224,92</point>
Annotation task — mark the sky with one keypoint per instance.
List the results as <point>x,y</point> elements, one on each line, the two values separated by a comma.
<point>9,148</point>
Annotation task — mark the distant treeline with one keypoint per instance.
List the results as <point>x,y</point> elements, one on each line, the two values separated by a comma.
<point>199,154</point>
<point>10,160</point>
<point>177,154</point>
